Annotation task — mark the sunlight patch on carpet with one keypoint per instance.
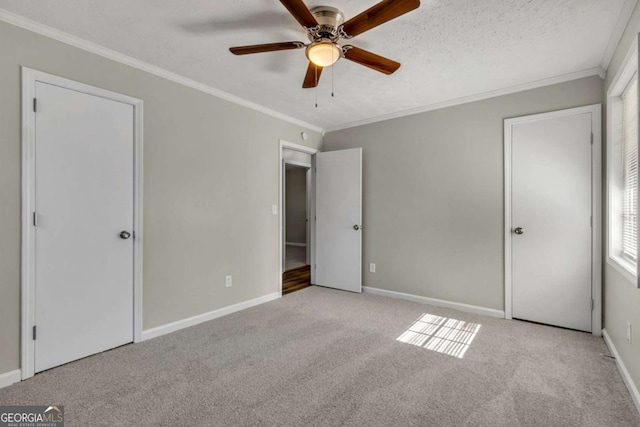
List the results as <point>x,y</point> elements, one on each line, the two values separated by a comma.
<point>441,334</point>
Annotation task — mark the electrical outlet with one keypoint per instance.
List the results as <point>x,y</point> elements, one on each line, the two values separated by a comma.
<point>628,332</point>
<point>228,281</point>
<point>372,267</point>
<point>274,209</point>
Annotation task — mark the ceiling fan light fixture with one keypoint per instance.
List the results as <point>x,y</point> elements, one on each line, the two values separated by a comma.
<point>324,53</point>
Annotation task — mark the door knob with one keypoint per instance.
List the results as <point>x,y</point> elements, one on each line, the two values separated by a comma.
<point>125,235</point>
<point>356,227</point>
<point>518,230</point>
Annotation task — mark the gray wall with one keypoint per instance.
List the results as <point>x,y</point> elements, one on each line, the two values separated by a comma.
<point>621,298</point>
<point>210,179</point>
<point>433,193</point>
<point>296,209</point>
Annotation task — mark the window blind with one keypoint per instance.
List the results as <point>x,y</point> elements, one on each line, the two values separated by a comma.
<point>630,171</point>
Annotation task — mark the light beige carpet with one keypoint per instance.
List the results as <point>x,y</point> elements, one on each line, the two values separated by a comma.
<point>327,358</point>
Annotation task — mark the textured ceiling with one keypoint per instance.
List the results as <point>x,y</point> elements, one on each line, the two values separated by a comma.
<point>448,48</point>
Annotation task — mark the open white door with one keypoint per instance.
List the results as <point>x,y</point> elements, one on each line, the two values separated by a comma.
<point>339,219</point>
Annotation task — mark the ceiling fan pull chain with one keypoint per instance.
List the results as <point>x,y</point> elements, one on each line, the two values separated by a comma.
<point>332,67</point>
<point>316,87</point>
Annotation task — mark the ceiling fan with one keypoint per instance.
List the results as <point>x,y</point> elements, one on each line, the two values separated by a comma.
<point>325,27</point>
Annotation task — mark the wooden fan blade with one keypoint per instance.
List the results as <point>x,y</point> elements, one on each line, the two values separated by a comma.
<point>371,60</point>
<point>377,15</point>
<point>269,47</point>
<point>313,76</point>
<point>301,12</point>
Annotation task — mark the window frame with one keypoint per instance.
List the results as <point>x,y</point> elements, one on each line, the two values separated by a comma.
<point>627,72</point>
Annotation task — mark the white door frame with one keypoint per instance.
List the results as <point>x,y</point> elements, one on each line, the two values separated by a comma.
<point>310,213</point>
<point>29,79</point>
<point>596,207</point>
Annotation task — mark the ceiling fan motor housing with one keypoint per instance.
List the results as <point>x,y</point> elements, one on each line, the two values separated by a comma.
<point>329,20</point>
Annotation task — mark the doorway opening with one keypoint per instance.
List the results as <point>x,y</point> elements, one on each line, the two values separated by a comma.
<point>296,180</point>
<point>296,213</point>
<point>296,207</point>
<point>334,212</point>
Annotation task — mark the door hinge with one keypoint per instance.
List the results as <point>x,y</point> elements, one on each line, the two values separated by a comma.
<point>593,304</point>
<point>591,221</point>
<point>34,332</point>
<point>35,105</point>
<point>35,219</point>
<point>591,138</point>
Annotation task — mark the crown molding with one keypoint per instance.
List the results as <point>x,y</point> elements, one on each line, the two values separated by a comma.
<point>61,36</point>
<point>71,40</point>
<point>623,20</point>
<point>598,71</point>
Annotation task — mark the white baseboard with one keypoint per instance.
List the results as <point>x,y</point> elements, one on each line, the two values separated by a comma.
<point>304,245</point>
<point>191,321</point>
<point>628,381</point>
<point>10,377</point>
<point>436,302</point>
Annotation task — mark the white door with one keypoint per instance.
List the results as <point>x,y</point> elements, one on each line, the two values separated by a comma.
<point>84,200</point>
<point>551,201</point>
<point>339,219</point>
